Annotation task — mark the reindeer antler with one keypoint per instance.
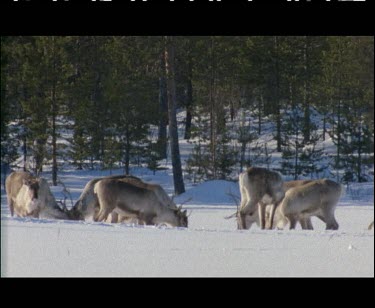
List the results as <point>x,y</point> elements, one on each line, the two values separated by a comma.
<point>231,216</point>
<point>236,200</point>
<point>186,201</point>
<point>66,192</point>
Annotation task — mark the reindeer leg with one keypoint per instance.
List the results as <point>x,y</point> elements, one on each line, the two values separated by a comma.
<point>309,224</point>
<point>114,217</point>
<point>248,209</point>
<point>292,222</point>
<point>148,220</point>
<point>332,224</point>
<point>329,216</point>
<point>306,223</point>
<point>272,216</point>
<point>262,215</point>
<point>273,211</point>
<point>11,206</point>
<point>371,225</point>
<point>103,214</point>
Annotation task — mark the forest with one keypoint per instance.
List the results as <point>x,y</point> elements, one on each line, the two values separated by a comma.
<point>116,101</point>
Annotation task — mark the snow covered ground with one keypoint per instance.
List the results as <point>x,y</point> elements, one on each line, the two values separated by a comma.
<point>210,247</point>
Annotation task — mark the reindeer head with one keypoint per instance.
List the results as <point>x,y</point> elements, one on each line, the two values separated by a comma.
<point>182,217</point>
<point>31,186</point>
<point>74,213</point>
<point>250,219</point>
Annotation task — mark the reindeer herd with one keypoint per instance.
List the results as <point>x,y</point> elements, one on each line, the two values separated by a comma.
<point>266,200</point>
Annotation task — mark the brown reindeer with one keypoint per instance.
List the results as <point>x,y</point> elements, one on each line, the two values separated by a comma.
<point>134,201</point>
<point>259,187</point>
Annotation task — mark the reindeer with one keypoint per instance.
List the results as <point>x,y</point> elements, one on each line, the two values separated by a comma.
<point>29,196</point>
<point>13,185</point>
<point>317,198</point>
<point>259,187</point>
<point>87,206</point>
<point>279,219</point>
<point>134,201</point>
<point>371,226</point>
<point>305,220</point>
<point>156,188</point>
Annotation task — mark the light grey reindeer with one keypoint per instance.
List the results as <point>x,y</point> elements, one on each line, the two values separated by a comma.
<point>371,226</point>
<point>30,196</point>
<point>318,198</point>
<point>87,206</point>
<point>259,187</point>
<point>279,220</point>
<point>134,201</point>
<point>328,193</point>
<point>156,188</point>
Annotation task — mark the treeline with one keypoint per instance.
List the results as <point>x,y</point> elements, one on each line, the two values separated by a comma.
<point>107,96</point>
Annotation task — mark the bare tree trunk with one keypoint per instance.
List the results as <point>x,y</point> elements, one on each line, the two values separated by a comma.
<point>189,99</point>
<point>189,107</point>
<point>54,144</point>
<point>260,114</point>
<point>179,186</point>
<point>359,157</point>
<point>24,148</point>
<point>277,98</point>
<point>127,150</point>
<point>212,111</point>
<point>54,115</point>
<point>306,94</point>
<point>163,109</point>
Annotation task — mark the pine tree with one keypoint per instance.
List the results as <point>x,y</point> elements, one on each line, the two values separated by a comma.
<point>293,144</point>
<point>198,162</point>
<point>350,135</point>
<point>163,111</point>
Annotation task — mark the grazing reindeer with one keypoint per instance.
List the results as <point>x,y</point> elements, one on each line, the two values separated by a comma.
<point>29,196</point>
<point>280,220</point>
<point>259,187</point>
<point>13,184</point>
<point>87,206</point>
<point>317,198</point>
<point>135,201</point>
<point>157,189</point>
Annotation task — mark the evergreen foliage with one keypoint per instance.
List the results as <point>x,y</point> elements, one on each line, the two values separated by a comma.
<point>110,95</point>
